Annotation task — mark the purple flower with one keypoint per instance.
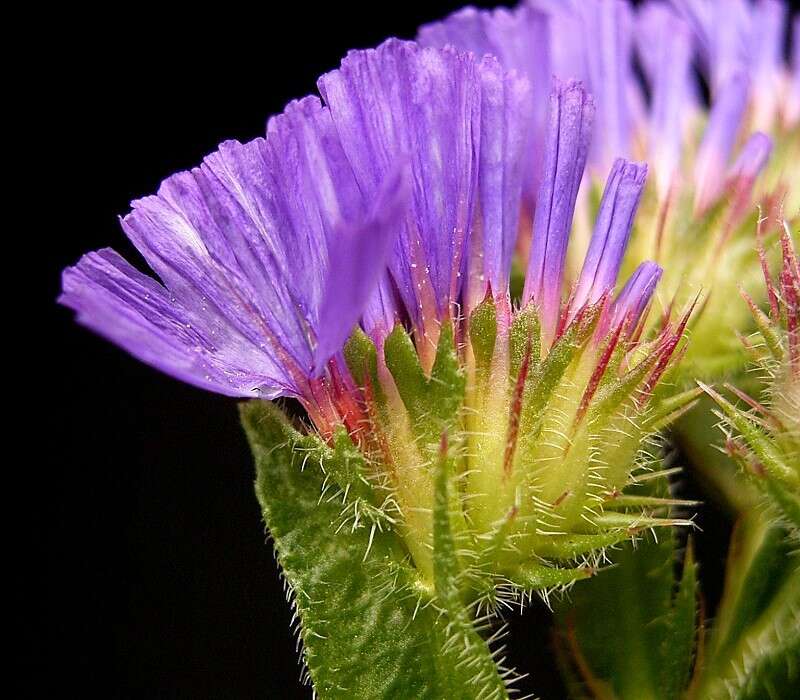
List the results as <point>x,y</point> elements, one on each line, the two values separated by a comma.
<point>740,36</point>
<point>606,29</point>
<point>242,259</point>
<point>570,124</point>
<point>738,42</point>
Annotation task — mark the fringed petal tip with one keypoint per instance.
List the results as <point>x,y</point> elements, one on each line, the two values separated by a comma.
<point>132,310</point>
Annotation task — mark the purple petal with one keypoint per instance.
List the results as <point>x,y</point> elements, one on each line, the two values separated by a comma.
<point>796,47</point>
<point>467,29</point>
<point>752,158</point>
<point>520,39</point>
<point>141,316</point>
<point>715,149</point>
<point>609,55</point>
<point>635,295</point>
<point>356,264</point>
<point>567,55</point>
<point>730,42</point>
<point>766,63</point>
<point>569,129</point>
<point>505,110</point>
<point>792,107</point>
<point>665,47</point>
<point>612,230</point>
<point>400,99</point>
<point>382,309</point>
<point>241,244</point>
<point>722,37</point>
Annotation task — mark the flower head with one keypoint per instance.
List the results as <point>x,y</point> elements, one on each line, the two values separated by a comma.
<point>358,258</point>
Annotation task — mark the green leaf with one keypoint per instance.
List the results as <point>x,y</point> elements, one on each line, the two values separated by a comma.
<point>678,646</point>
<point>369,628</point>
<point>758,565</point>
<point>764,662</point>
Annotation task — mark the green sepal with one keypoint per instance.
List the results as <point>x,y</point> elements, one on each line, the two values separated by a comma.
<point>369,628</point>
<point>361,358</point>
<point>525,332</point>
<point>571,546</point>
<point>534,576</point>
<point>699,437</point>
<point>633,627</point>
<point>649,502</point>
<point>766,328</point>
<point>432,403</point>
<point>760,443</point>
<point>483,333</point>
<point>610,397</point>
<point>635,521</point>
<point>542,382</point>
<point>669,409</point>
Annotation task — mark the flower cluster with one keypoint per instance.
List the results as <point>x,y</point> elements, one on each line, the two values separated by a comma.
<point>358,258</point>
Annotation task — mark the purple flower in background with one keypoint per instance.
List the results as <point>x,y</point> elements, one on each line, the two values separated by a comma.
<point>717,144</point>
<point>396,200</point>
<point>664,45</point>
<point>598,42</point>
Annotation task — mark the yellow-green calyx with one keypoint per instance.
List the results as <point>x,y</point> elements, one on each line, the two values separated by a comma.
<point>538,450</point>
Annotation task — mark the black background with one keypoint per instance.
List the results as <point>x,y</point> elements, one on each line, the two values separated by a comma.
<point>137,498</point>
